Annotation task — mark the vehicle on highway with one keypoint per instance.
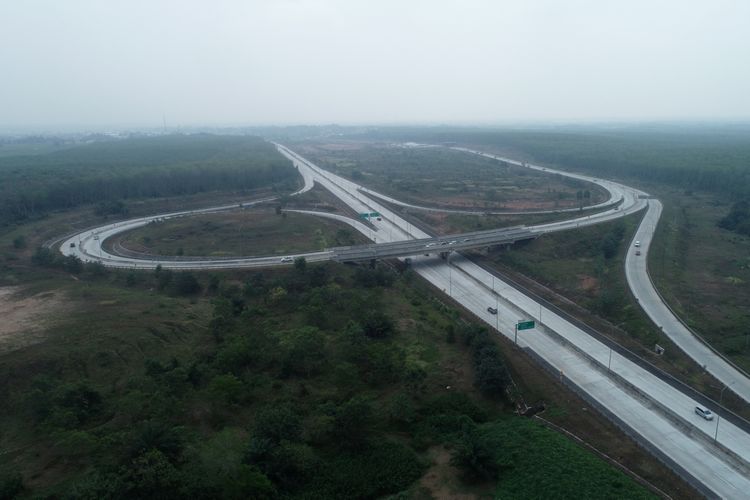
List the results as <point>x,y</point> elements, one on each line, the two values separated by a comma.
<point>72,245</point>
<point>491,310</point>
<point>380,218</point>
<point>430,245</point>
<point>637,252</point>
<point>464,240</point>
<point>452,242</point>
<point>704,412</point>
<point>96,236</point>
<point>287,259</point>
<point>637,243</point>
<point>443,243</point>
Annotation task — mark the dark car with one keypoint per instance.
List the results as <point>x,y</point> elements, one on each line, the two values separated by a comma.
<point>491,310</point>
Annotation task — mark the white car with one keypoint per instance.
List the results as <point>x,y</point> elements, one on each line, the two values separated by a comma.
<point>637,244</point>
<point>284,260</point>
<point>704,412</point>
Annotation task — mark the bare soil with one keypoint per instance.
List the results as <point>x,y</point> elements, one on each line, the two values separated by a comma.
<point>24,319</point>
<point>441,480</point>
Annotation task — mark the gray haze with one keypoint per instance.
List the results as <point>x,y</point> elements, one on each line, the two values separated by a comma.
<point>95,63</point>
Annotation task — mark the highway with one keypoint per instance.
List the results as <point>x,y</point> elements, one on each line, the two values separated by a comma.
<point>641,285</point>
<point>647,406</point>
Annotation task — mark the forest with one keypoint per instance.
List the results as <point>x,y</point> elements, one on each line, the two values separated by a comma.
<point>111,171</point>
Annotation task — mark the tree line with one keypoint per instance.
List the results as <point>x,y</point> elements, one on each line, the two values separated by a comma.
<point>107,172</point>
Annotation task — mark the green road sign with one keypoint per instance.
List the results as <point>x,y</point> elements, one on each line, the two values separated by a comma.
<point>526,325</point>
<point>365,215</point>
<point>374,214</point>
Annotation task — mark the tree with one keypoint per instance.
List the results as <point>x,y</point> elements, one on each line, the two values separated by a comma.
<point>152,475</point>
<point>226,388</point>
<point>19,242</point>
<point>72,264</point>
<point>11,485</point>
<point>377,324</point>
<point>302,351</point>
<point>163,278</point>
<point>738,218</point>
<point>186,284</point>
<point>277,423</point>
<point>475,455</point>
<point>300,264</point>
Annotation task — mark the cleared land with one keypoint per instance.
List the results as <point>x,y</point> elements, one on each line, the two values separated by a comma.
<point>244,232</point>
<point>439,177</point>
<point>25,318</point>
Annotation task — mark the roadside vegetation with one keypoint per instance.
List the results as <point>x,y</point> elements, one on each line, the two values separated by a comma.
<point>318,381</point>
<point>243,232</point>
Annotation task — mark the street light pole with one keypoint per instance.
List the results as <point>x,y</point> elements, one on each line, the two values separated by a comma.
<point>721,399</point>
<point>497,316</point>
<point>721,394</point>
<point>716,434</point>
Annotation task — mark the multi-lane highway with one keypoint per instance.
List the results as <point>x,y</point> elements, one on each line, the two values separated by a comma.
<point>713,455</point>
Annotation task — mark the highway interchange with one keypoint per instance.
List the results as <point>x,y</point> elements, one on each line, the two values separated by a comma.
<point>712,455</point>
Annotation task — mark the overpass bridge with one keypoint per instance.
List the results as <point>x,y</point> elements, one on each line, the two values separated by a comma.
<point>437,245</point>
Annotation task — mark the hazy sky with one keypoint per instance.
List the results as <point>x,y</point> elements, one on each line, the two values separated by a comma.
<point>223,62</point>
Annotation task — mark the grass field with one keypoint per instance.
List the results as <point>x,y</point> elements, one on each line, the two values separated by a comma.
<point>441,177</point>
<point>246,232</point>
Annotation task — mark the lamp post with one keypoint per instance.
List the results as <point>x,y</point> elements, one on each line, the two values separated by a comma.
<point>721,398</point>
<point>497,315</point>
<point>450,276</point>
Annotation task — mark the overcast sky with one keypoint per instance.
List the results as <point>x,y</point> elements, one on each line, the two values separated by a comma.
<point>225,62</point>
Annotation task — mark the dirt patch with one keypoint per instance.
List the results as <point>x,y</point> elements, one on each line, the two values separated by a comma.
<point>442,478</point>
<point>588,283</point>
<point>25,318</point>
